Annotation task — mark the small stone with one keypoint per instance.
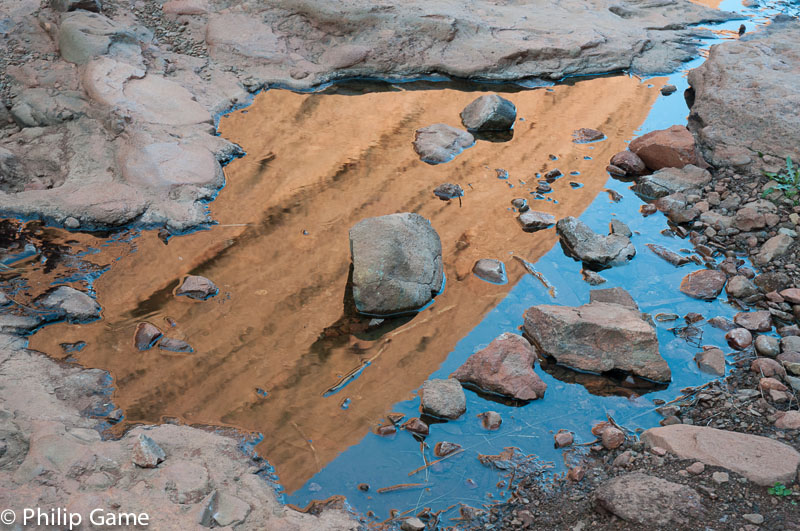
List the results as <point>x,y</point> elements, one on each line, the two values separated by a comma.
<point>623,459</point>
<point>696,468</point>
<point>443,398</point>
<point>739,338</point>
<point>489,113</point>
<point>533,221</point>
<point>767,367</point>
<point>666,90</point>
<point>146,335</point>
<point>448,191</point>
<point>146,453</point>
<point>760,321</point>
<point>720,477</point>
<point>586,135</point>
<point>563,438</point>
<point>197,287</point>
<point>790,420</point>
<point>175,345</point>
<point>576,473</point>
<point>771,384</point>
<point>755,519</point>
<point>704,284</point>
<point>445,448</point>
<point>612,438</point>
<point>363,487</point>
<point>768,346</point>
<point>490,270</point>
<point>72,223</point>
<point>415,425</point>
<point>412,524</point>
<point>490,420</point>
<point>711,361</point>
<point>657,450</point>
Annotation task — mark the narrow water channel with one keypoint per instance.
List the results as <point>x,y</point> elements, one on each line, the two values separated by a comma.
<point>274,351</point>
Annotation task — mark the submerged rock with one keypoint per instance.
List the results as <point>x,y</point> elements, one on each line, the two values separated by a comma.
<point>666,148</point>
<point>591,248</point>
<point>597,337</point>
<point>649,501</point>
<point>490,270</point>
<point>440,143</point>
<point>505,367</point>
<point>397,264</point>
<point>443,398</point>
<point>670,256</point>
<point>489,113</point>
<point>491,420</point>
<point>445,448</point>
<point>71,304</point>
<point>197,287</point>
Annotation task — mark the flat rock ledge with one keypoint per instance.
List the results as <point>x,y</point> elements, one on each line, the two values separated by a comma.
<point>115,124</point>
<point>762,460</point>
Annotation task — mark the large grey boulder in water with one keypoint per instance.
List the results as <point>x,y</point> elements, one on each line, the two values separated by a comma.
<point>489,113</point>
<point>591,248</point>
<point>397,264</point>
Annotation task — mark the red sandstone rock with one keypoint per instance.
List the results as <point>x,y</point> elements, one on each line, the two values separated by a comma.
<point>704,284</point>
<point>667,148</point>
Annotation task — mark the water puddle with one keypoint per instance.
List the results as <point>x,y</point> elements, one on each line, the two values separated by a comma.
<point>279,352</point>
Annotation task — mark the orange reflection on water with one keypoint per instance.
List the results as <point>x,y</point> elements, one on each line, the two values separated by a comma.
<point>320,163</point>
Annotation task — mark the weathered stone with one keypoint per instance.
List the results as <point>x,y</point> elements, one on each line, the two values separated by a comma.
<point>146,335</point>
<point>146,453</point>
<point>613,296</point>
<point>415,425</point>
<point>444,448</point>
<point>670,256</point>
<point>762,460</point>
<point>490,420</point>
<point>505,367</point>
<point>443,398</point>
<point>790,344</point>
<point>741,287</point>
<point>704,284</point>
<point>760,321</point>
<point>739,338</point>
<point>671,181</point>
<point>174,345</point>
<point>597,337</point>
<point>711,361</point>
<point>768,346</point>
<point>749,219</point>
<point>649,501</point>
<point>612,438</point>
<point>83,35</point>
<point>629,162</point>
<point>791,295</point>
<point>771,384</point>
<point>412,524</point>
<point>696,468</point>
<point>767,367</point>
<point>533,221</point>
<point>448,191</point>
<point>772,281</point>
<point>773,248</point>
<point>730,131</point>
<point>197,287</point>
<point>74,5</point>
<point>589,247</point>
<point>490,270</point>
<point>397,264</point>
<point>666,148</point>
<point>440,143</point>
<point>618,227</point>
<point>563,438</point>
<point>790,420</point>
<point>73,305</point>
<point>489,113</point>
<point>586,135</point>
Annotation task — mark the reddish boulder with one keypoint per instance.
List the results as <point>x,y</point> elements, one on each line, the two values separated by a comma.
<point>667,148</point>
<point>629,162</point>
<point>504,367</point>
<point>598,337</point>
<point>704,284</point>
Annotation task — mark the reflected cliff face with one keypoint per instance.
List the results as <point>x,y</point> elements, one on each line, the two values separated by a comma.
<point>278,351</point>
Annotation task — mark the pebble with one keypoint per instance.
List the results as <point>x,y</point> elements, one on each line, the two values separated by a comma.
<point>696,468</point>
<point>720,477</point>
<point>754,518</point>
